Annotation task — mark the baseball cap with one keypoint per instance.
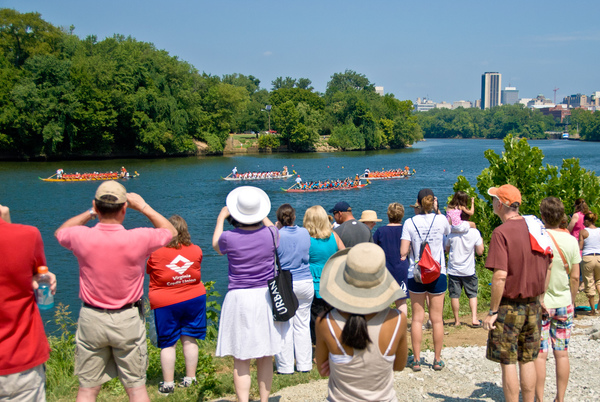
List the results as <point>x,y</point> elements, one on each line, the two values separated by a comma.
<point>341,206</point>
<point>506,194</point>
<point>424,193</point>
<point>112,188</point>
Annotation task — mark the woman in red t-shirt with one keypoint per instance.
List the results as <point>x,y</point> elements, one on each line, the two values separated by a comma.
<point>178,301</point>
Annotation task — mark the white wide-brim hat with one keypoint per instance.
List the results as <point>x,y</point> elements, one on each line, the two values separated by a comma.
<point>248,204</point>
<point>356,280</point>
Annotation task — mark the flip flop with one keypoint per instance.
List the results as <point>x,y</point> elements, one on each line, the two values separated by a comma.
<point>478,325</point>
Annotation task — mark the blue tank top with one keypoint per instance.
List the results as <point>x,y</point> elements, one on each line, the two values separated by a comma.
<point>320,251</point>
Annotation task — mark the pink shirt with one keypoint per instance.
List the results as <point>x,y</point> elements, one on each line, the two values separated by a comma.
<point>112,260</point>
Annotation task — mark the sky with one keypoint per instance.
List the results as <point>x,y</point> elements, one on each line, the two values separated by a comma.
<point>415,49</point>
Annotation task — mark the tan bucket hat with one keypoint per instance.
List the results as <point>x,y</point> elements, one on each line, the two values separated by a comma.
<point>356,280</point>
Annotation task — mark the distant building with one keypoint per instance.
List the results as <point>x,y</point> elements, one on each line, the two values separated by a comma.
<point>425,105</point>
<point>524,101</point>
<point>574,101</point>
<point>540,102</point>
<point>443,105</point>
<point>490,90</point>
<point>509,96</point>
<point>559,112</point>
<point>461,103</point>
<point>379,90</point>
<point>595,99</point>
<point>477,104</point>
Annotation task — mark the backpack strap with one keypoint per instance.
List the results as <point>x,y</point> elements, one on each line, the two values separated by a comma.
<point>564,260</point>
<point>426,236</point>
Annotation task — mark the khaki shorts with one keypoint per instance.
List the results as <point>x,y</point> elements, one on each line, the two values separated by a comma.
<point>590,270</point>
<point>28,385</point>
<point>110,344</point>
<point>517,334</point>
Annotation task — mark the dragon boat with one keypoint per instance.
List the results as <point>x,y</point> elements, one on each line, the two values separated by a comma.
<point>387,175</point>
<point>295,189</point>
<point>258,176</point>
<point>90,177</point>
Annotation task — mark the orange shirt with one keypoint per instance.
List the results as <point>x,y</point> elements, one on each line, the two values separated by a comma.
<point>174,275</point>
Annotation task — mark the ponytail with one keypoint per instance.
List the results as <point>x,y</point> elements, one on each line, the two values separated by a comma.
<point>355,333</point>
<point>427,204</point>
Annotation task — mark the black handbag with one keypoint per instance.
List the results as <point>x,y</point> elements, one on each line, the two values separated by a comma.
<point>281,289</point>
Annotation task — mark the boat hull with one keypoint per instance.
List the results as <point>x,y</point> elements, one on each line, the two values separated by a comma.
<point>287,176</point>
<point>318,190</point>
<point>405,176</point>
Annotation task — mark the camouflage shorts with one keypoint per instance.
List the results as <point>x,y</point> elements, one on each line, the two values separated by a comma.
<point>517,334</point>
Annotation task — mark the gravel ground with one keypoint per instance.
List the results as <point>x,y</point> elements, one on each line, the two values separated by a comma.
<point>468,375</point>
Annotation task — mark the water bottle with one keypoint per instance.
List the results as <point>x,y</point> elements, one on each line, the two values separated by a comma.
<point>44,296</point>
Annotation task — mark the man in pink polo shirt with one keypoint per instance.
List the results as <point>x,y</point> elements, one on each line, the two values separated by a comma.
<point>111,334</point>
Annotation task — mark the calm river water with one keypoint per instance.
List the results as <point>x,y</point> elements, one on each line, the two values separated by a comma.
<point>192,187</point>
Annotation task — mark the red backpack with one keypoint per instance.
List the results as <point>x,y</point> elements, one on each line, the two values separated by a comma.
<point>427,269</point>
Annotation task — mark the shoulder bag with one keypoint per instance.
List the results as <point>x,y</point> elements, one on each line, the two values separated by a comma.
<point>281,289</point>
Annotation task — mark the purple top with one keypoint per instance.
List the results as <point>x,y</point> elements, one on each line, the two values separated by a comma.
<point>251,256</point>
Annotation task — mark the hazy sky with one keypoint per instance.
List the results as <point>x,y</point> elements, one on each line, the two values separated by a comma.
<point>434,49</point>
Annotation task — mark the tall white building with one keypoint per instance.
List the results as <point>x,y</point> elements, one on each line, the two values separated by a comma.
<point>490,90</point>
<point>379,90</point>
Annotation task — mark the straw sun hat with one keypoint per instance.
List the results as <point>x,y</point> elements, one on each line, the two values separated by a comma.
<point>248,204</point>
<point>369,216</point>
<point>356,281</point>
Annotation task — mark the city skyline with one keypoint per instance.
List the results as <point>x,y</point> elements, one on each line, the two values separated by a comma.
<point>435,50</point>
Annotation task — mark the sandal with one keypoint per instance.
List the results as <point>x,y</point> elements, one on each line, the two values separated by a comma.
<point>437,366</point>
<point>414,365</point>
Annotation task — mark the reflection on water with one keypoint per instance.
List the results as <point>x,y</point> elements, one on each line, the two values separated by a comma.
<point>192,187</point>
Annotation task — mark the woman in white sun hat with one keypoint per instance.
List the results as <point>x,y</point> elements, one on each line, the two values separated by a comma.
<point>361,341</point>
<point>246,328</point>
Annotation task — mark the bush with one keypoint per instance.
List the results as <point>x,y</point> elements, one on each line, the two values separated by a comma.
<point>268,141</point>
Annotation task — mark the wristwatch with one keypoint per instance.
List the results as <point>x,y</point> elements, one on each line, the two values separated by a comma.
<point>492,312</point>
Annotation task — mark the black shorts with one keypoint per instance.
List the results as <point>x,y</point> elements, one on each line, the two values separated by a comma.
<point>457,283</point>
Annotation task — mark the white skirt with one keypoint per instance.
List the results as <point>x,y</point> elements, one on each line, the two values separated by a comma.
<point>246,327</point>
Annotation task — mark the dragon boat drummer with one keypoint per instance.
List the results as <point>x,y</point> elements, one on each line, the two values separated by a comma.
<point>234,171</point>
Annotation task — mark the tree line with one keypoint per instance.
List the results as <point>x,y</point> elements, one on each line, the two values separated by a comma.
<point>494,123</point>
<point>62,96</point>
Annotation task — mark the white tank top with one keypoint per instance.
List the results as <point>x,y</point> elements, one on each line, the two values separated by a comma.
<point>591,245</point>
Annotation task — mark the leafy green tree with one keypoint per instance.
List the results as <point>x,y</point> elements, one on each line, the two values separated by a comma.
<point>250,82</point>
<point>304,83</point>
<point>522,166</point>
<point>297,95</point>
<point>25,35</point>
<point>268,141</point>
<point>347,137</point>
<point>280,82</point>
<point>348,80</point>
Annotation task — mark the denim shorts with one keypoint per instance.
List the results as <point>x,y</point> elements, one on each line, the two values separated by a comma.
<point>437,287</point>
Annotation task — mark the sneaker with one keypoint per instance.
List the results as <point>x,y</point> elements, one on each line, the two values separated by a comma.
<point>186,382</point>
<point>165,389</point>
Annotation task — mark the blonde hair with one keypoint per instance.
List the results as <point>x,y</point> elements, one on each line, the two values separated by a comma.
<point>395,212</point>
<point>316,222</point>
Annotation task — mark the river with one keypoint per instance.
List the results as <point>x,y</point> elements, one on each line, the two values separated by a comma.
<point>192,187</point>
